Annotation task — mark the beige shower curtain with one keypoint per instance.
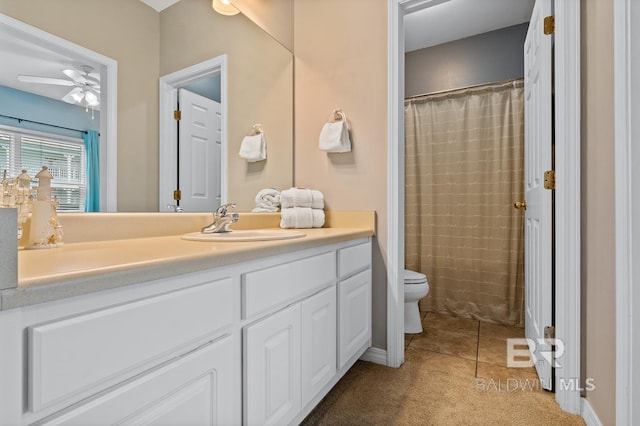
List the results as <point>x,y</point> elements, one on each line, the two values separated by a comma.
<point>464,169</point>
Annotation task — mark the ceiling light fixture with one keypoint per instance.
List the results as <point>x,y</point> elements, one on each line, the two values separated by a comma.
<point>224,7</point>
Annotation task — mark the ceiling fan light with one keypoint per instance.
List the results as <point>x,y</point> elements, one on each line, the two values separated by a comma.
<point>92,99</point>
<point>224,7</point>
<point>77,96</point>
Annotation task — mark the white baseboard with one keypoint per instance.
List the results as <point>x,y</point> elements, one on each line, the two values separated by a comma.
<point>590,417</point>
<point>375,355</point>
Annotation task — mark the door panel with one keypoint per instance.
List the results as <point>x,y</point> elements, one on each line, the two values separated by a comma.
<point>272,369</point>
<point>538,213</point>
<point>199,152</point>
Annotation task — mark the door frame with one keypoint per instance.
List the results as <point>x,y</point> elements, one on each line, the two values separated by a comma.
<point>108,102</point>
<point>167,150</point>
<point>627,199</point>
<point>567,217</point>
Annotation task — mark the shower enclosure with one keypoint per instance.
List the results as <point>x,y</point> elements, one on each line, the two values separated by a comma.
<point>464,154</point>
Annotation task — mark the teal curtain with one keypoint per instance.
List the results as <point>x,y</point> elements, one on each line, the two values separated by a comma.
<point>92,148</point>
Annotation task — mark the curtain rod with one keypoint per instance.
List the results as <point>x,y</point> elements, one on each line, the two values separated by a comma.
<point>20,120</point>
<point>475,86</point>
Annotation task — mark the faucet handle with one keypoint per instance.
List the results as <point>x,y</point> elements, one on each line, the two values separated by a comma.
<point>222,210</point>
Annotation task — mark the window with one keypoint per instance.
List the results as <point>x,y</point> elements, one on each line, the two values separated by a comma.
<point>65,158</point>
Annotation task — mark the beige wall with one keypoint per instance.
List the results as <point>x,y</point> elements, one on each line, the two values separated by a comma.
<point>341,62</point>
<point>598,245</point>
<point>274,16</point>
<point>260,85</point>
<point>98,25</point>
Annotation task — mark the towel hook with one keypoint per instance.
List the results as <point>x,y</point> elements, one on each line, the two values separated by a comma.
<point>338,115</point>
<point>256,129</point>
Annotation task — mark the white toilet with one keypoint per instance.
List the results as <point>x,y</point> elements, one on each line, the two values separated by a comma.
<point>415,288</point>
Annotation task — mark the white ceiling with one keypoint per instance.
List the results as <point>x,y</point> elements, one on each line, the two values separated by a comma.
<point>443,21</point>
<point>160,5</point>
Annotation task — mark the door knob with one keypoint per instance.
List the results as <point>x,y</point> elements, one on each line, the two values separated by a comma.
<point>520,205</point>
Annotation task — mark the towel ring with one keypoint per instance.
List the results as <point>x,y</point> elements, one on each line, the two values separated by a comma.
<point>338,115</point>
<point>256,129</point>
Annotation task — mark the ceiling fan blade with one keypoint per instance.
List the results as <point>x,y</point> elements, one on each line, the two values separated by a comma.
<point>69,97</point>
<point>44,80</point>
<point>75,75</point>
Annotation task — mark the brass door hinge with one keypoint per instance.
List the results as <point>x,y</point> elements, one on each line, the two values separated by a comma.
<point>550,179</point>
<point>177,195</point>
<point>549,25</point>
<point>177,115</point>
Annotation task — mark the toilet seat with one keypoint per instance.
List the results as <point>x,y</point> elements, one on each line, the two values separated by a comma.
<point>413,277</point>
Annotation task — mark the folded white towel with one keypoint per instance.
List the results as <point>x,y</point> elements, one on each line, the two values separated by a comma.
<point>301,217</point>
<point>318,218</point>
<point>300,197</point>
<point>296,217</point>
<point>334,137</point>
<point>317,199</point>
<point>253,148</point>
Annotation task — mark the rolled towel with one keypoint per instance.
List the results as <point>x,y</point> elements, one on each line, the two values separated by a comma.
<point>296,217</point>
<point>267,200</point>
<point>253,148</point>
<point>318,218</point>
<point>264,210</point>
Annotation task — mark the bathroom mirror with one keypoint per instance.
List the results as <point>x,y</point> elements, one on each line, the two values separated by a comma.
<point>147,45</point>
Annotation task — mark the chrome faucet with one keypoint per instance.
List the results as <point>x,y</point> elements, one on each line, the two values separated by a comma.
<point>222,220</point>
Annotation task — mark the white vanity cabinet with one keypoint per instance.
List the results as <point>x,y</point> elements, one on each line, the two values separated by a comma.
<point>193,390</point>
<point>272,356</point>
<point>354,301</point>
<point>257,342</point>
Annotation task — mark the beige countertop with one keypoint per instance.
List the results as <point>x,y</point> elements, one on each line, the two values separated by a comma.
<point>83,267</point>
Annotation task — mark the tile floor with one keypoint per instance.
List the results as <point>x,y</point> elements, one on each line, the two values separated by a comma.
<point>454,373</point>
<point>483,343</point>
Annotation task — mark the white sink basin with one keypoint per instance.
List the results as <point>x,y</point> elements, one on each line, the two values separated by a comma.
<point>246,235</point>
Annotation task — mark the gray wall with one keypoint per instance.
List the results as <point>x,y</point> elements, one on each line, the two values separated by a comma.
<point>485,58</point>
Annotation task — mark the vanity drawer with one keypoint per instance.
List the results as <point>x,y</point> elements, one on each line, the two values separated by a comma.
<point>84,354</point>
<point>279,285</point>
<point>353,259</point>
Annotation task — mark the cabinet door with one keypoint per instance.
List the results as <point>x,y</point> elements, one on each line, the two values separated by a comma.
<point>272,369</point>
<point>354,304</point>
<point>199,388</point>
<point>318,342</point>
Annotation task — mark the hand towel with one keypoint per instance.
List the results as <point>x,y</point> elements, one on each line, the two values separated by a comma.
<point>334,137</point>
<point>296,217</point>
<point>301,197</point>
<point>253,148</point>
<point>267,200</point>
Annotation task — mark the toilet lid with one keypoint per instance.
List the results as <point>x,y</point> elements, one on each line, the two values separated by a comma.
<point>413,277</point>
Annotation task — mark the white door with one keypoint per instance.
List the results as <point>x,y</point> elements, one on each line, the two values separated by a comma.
<point>272,369</point>
<point>318,342</point>
<point>538,214</point>
<point>354,315</point>
<point>199,152</point>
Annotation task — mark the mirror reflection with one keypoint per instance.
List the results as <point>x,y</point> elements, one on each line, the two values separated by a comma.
<point>148,45</point>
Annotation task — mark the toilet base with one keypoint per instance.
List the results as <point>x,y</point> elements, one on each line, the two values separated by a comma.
<point>412,320</point>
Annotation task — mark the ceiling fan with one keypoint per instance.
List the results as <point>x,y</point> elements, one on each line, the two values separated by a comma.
<point>85,82</point>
